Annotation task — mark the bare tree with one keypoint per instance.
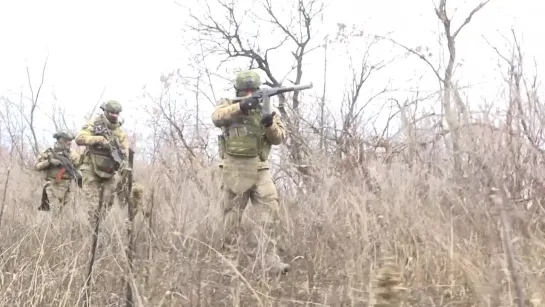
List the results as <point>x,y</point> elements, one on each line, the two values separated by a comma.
<point>19,118</point>
<point>58,116</point>
<point>524,118</point>
<point>13,127</point>
<point>230,39</point>
<point>30,119</point>
<point>323,99</point>
<point>452,111</point>
<point>524,101</point>
<point>361,70</point>
<point>97,104</point>
<point>172,125</point>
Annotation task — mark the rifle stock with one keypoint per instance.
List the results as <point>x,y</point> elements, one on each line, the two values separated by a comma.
<point>130,234</point>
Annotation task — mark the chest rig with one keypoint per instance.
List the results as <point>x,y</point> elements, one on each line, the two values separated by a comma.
<point>245,137</point>
<point>101,158</point>
<point>54,171</point>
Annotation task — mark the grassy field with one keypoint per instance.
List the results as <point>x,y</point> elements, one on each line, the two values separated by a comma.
<point>440,239</point>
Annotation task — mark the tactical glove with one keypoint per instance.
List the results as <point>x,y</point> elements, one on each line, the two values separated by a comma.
<point>55,162</point>
<point>95,140</point>
<point>101,141</point>
<point>105,143</point>
<point>267,120</point>
<point>250,103</point>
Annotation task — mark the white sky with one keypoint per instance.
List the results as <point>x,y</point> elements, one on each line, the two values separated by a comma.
<point>123,45</point>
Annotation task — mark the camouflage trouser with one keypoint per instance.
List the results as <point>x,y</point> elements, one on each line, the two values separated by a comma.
<point>137,196</point>
<point>264,195</point>
<point>91,189</point>
<point>58,195</point>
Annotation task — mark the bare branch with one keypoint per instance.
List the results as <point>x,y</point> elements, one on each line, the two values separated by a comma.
<point>468,18</point>
<point>34,104</point>
<point>420,55</point>
<point>99,101</point>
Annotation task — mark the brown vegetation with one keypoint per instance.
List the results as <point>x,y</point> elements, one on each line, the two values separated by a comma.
<point>449,211</point>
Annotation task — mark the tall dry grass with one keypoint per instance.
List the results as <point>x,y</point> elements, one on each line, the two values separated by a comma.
<point>425,239</point>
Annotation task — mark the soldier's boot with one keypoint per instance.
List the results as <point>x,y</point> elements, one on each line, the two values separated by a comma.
<point>275,265</point>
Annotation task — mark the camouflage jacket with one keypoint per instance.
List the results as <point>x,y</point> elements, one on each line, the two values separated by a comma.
<point>237,141</point>
<point>96,157</point>
<point>49,171</point>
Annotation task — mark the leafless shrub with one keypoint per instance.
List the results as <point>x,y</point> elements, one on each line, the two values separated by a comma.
<point>456,209</point>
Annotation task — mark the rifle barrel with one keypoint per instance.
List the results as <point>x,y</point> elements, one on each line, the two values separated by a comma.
<point>280,89</point>
<point>300,87</point>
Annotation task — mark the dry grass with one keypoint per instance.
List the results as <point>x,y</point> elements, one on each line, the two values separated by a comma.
<point>440,241</point>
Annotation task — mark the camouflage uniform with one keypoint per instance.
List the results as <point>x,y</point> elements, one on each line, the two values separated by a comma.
<point>245,146</point>
<point>57,190</point>
<point>98,168</point>
<point>137,196</point>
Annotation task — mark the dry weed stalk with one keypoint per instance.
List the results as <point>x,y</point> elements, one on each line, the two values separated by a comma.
<point>387,288</point>
<point>93,249</point>
<point>499,199</point>
<point>181,234</point>
<point>177,262</point>
<point>4,196</point>
<point>127,189</point>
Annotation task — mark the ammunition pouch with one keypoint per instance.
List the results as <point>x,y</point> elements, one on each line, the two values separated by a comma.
<point>52,172</point>
<point>103,165</point>
<point>241,141</point>
<point>245,137</point>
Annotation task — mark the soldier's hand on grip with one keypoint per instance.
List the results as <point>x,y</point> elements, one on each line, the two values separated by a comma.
<point>267,119</point>
<point>54,161</point>
<point>250,103</point>
<point>104,143</point>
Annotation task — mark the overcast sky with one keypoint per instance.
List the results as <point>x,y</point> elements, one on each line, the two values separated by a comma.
<point>122,45</point>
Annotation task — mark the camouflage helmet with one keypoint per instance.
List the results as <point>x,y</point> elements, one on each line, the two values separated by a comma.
<point>247,80</point>
<point>112,106</point>
<point>67,135</point>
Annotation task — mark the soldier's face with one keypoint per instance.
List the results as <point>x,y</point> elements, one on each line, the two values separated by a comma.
<point>64,143</point>
<point>112,116</point>
<point>246,92</point>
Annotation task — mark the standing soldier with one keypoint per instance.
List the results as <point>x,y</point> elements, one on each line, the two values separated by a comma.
<point>244,149</point>
<point>57,190</point>
<point>105,143</point>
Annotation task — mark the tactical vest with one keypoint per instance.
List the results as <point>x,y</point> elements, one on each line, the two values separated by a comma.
<point>51,172</point>
<point>103,163</point>
<point>245,137</point>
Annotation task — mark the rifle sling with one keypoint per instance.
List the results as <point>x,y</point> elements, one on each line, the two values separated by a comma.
<point>61,172</point>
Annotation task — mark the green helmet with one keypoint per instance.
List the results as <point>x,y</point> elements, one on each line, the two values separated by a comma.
<point>67,135</point>
<point>112,106</point>
<point>247,80</point>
